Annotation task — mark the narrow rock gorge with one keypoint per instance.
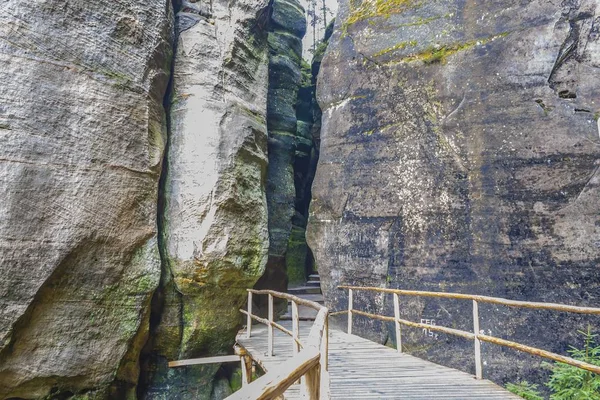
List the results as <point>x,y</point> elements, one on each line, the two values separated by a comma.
<point>157,159</point>
<point>460,152</point>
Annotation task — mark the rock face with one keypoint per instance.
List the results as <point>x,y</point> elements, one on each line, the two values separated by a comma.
<point>287,26</point>
<point>214,227</point>
<point>82,133</point>
<point>460,152</point>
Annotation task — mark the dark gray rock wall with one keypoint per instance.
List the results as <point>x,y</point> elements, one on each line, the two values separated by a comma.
<point>286,29</point>
<point>459,152</point>
<point>82,133</point>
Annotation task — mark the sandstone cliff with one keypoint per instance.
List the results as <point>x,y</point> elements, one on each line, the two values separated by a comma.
<point>84,125</point>
<point>460,152</point>
<point>213,217</point>
<point>82,133</point>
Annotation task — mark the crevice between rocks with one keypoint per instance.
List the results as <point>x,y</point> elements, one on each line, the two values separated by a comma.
<point>157,302</point>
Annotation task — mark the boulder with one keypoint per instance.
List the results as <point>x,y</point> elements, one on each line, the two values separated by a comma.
<point>82,134</point>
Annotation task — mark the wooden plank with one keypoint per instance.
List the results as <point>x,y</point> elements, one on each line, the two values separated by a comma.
<point>355,370</point>
<point>204,360</point>
<point>483,299</point>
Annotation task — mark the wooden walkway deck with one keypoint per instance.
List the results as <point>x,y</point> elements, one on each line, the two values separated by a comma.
<point>361,369</point>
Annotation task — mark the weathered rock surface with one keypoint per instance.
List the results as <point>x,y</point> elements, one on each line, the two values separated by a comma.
<point>214,225</point>
<point>82,133</point>
<point>460,152</point>
<point>287,26</point>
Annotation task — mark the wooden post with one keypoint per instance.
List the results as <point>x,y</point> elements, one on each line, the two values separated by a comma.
<point>246,370</point>
<point>270,327</point>
<point>311,384</point>
<point>350,305</point>
<point>295,327</point>
<point>249,318</point>
<point>326,343</point>
<point>397,323</point>
<point>478,365</point>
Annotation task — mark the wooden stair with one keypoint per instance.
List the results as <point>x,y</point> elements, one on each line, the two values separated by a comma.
<point>311,290</point>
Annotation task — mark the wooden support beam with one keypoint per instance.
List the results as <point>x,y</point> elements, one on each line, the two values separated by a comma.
<point>478,364</point>
<point>397,323</point>
<point>295,327</point>
<point>204,360</point>
<point>270,327</point>
<point>246,370</point>
<point>249,316</point>
<point>350,305</point>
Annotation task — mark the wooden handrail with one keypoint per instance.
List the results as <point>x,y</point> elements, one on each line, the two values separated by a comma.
<point>451,331</point>
<point>275,324</point>
<point>309,361</point>
<point>274,383</point>
<point>312,304</point>
<point>483,299</point>
<point>476,336</point>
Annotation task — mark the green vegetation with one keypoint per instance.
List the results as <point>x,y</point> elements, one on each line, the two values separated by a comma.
<point>526,390</point>
<point>568,382</point>
<point>439,54</point>
<point>572,383</point>
<point>376,8</point>
<point>399,46</point>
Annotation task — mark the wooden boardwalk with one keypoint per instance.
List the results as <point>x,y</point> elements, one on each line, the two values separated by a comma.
<point>361,369</point>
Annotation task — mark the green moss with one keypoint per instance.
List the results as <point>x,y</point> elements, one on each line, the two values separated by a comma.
<point>435,54</point>
<point>424,21</point>
<point>376,8</point>
<point>596,116</point>
<point>236,380</point>
<point>399,46</point>
<point>295,257</point>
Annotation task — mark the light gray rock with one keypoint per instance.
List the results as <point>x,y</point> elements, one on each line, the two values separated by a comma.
<point>214,223</point>
<point>82,133</point>
<point>460,152</point>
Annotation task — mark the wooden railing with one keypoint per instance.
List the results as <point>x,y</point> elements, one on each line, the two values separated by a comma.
<point>476,336</point>
<point>309,362</point>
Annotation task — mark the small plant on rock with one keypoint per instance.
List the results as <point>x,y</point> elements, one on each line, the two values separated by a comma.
<point>572,383</point>
<point>526,390</point>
